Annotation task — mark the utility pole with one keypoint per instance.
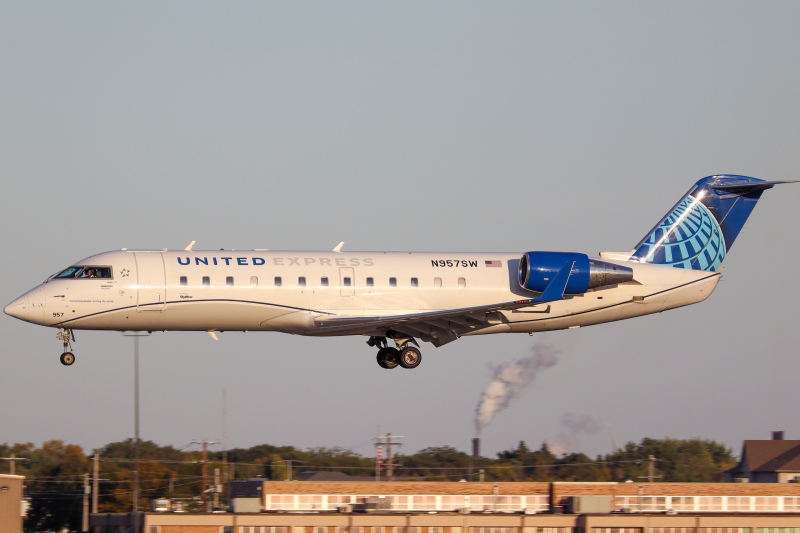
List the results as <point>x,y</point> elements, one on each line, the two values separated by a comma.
<point>12,461</point>
<point>205,443</point>
<point>85,522</point>
<point>288,470</point>
<point>136,527</point>
<point>95,482</point>
<point>225,474</point>
<point>386,440</point>
<point>650,466</point>
<point>216,488</point>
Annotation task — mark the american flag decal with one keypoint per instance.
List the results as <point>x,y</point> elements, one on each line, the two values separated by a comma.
<point>496,264</point>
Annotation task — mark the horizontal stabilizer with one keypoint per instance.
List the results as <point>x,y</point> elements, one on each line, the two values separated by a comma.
<point>750,187</point>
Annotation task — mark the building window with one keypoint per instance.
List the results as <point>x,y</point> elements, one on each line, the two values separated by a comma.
<point>324,282</point>
<point>301,281</point>
<point>370,282</point>
<point>184,281</point>
<point>229,281</point>
<point>437,283</point>
<point>278,281</point>
<point>393,282</point>
<point>254,281</point>
<point>414,282</point>
<point>206,281</point>
<point>462,282</point>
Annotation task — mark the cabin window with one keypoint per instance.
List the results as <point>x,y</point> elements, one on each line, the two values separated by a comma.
<point>393,282</point>
<point>370,282</point>
<point>301,281</point>
<point>437,283</point>
<point>229,281</point>
<point>278,281</point>
<point>206,281</point>
<point>414,282</point>
<point>254,281</point>
<point>462,282</point>
<point>324,282</point>
<point>184,281</point>
<point>347,281</point>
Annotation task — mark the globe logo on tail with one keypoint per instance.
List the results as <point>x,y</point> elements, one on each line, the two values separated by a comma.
<point>689,237</point>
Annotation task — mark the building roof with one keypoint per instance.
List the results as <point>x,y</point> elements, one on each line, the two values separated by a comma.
<point>772,455</point>
<point>330,476</point>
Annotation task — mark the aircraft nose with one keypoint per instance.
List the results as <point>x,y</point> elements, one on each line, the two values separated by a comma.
<point>17,307</point>
<point>28,307</point>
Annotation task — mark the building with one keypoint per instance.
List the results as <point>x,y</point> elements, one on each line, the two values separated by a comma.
<point>10,503</point>
<point>767,461</point>
<point>450,523</point>
<point>469,507</point>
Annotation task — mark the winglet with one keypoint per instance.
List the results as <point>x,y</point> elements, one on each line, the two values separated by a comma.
<point>338,248</point>
<point>189,246</point>
<point>555,289</point>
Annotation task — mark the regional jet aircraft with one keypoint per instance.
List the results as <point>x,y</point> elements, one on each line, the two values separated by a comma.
<point>399,297</point>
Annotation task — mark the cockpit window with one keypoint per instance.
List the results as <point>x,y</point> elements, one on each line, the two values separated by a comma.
<point>84,272</point>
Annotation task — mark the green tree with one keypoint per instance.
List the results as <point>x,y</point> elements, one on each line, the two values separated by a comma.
<point>55,487</point>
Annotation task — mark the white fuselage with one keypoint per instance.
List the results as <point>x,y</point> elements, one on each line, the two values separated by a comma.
<point>285,291</point>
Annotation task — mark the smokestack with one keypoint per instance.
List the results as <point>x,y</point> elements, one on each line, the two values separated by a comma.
<point>476,447</point>
<point>777,435</point>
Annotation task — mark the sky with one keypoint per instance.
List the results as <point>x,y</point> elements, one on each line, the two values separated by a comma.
<point>417,126</point>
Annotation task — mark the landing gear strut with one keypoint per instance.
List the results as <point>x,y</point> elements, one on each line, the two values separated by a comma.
<point>405,355</point>
<point>66,335</point>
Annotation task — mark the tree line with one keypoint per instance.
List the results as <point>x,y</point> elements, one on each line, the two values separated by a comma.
<point>55,472</point>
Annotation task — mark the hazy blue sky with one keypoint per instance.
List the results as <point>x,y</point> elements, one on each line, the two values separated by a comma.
<point>455,126</point>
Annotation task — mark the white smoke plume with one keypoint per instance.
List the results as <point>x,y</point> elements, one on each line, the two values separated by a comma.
<point>508,379</point>
<point>566,441</point>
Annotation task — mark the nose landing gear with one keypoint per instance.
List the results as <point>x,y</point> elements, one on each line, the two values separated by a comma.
<point>66,336</point>
<point>407,356</point>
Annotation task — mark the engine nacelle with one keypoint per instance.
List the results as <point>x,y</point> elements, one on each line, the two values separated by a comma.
<point>537,270</point>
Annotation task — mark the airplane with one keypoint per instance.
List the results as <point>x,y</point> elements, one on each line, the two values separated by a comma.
<point>399,296</point>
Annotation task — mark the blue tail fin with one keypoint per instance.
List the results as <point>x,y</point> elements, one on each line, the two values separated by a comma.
<point>698,232</point>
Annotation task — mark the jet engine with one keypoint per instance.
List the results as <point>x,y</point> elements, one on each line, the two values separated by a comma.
<point>537,270</point>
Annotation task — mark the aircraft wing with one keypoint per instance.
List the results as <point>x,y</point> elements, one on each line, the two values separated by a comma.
<point>437,327</point>
<point>443,326</point>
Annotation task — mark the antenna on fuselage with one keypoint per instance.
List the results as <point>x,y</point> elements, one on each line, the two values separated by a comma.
<point>189,246</point>
<point>338,248</point>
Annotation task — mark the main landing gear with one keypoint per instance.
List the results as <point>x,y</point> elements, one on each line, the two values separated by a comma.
<point>66,335</point>
<point>406,355</point>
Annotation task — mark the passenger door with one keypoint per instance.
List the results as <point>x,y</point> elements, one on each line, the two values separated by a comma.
<point>151,280</point>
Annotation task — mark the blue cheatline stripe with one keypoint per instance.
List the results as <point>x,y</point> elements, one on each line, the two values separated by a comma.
<point>116,309</point>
